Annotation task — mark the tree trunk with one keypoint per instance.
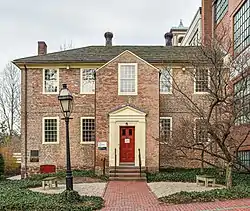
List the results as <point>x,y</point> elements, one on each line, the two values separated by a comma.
<point>202,161</point>
<point>229,179</point>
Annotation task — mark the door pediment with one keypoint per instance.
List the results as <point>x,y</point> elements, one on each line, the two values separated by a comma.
<point>127,110</point>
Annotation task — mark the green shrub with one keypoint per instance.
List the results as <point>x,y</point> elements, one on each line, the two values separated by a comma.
<point>14,195</point>
<point>70,196</point>
<point>183,197</point>
<point>1,165</point>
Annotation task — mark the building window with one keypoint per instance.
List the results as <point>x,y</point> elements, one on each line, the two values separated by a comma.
<point>34,155</point>
<point>221,7</point>
<point>242,101</point>
<point>50,81</point>
<point>242,28</point>
<point>166,81</point>
<point>127,79</point>
<point>87,81</point>
<point>201,133</point>
<point>50,130</point>
<point>88,130</point>
<point>201,81</point>
<point>165,128</point>
<point>244,158</point>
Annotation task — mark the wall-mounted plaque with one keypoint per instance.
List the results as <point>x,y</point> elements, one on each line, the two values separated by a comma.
<point>102,145</point>
<point>127,141</point>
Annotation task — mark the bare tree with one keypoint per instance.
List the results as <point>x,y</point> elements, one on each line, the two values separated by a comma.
<point>66,46</point>
<point>10,98</point>
<point>224,80</point>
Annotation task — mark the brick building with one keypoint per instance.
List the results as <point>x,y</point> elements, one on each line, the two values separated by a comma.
<point>122,103</point>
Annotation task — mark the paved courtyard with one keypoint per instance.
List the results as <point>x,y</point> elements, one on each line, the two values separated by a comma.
<point>89,189</point>
<point>121,196</point>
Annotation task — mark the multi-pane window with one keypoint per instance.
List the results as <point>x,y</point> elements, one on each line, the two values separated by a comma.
<point>166,81</point>
<point>221,7</point>
<point>242,28</point>
<point>165,128</point>
<point>201,133</point>
<point>88,129</point>
<point>242,101</point>
<point>87,81</point>
<point>201,80</point>
<point>127,79</point>
<point>51,81</point>
<point>50,130</point>
<point>244,158</point>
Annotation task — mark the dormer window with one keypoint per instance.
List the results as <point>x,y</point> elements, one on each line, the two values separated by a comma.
<point>50,81</point>
<point>127,79</point>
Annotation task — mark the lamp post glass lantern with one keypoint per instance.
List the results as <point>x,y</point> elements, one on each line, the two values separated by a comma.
<point>66,101</point>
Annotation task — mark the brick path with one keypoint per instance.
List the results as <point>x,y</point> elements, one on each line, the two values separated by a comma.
<point>136,196</point>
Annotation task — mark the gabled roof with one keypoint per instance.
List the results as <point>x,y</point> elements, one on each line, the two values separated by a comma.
<point>103,54</point>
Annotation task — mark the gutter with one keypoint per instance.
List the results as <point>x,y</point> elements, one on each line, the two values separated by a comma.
<point>25,123</point>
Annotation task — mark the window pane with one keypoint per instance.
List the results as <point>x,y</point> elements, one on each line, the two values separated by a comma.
<point>88,130</point>
<point>165,81</point>
<point>165,129</point>
<point>50,130</point>
<point>242,28</point>
<point>201,133</point>
<point>221,7</point>
<point>51,80</point>
<point>127,78</point>
<point>201,80</point>
<point>88,80</point>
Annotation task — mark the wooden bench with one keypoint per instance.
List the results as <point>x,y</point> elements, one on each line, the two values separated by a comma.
<point>49,181</point>
<point>206,179</point>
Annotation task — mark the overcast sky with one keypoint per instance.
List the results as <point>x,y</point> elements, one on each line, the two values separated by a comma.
<point>83,22</point>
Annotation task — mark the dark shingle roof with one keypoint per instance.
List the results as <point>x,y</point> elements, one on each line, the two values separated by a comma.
<point>101,54</point>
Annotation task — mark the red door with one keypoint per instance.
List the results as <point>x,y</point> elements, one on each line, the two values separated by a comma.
<point>127,144</point>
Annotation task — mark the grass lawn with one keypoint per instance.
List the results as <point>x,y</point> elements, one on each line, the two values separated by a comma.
<point>14,195</point>
<point>240,189</point>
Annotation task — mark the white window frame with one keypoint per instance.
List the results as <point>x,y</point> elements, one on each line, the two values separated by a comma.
<point>171,82</point>
<point>44,90</point>
<point>195,82</point>
<point>43,130</point>
<point>208,138</point>
<point>86,142</point>
<point>81,81</point>
<point>136,79</point>
<point>171,125</point>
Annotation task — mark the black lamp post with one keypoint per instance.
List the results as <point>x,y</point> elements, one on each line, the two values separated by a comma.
<point>66,101</point>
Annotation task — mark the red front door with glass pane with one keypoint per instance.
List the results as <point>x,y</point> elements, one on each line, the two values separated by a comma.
<point>127,144</point>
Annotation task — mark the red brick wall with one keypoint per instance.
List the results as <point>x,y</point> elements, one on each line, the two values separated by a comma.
<point>107,99</point>
<point>41,105</point>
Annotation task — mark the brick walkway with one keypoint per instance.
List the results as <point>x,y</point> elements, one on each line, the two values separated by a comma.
<point>136,196</point>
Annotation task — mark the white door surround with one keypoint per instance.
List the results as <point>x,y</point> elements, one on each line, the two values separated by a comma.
<point>127,116</point>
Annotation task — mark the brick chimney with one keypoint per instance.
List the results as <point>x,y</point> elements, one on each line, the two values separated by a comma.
<point>108,36</point>
<point>206,18</point>
<point>168,37</point>
<point>42,48</point>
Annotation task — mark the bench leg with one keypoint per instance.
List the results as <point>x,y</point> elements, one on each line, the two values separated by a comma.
<point>206,183</point>
<point>43,184</point>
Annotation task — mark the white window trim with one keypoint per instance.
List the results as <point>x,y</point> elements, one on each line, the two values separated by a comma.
<point>208,138</point>
<point>171,85</point>
<point>195,83</point>
<point>44,92</point>
<point>81,91</point>
<point>171,125</point>
<point>85,142</point>
<point>136,79</point>
<point>43,130</point>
